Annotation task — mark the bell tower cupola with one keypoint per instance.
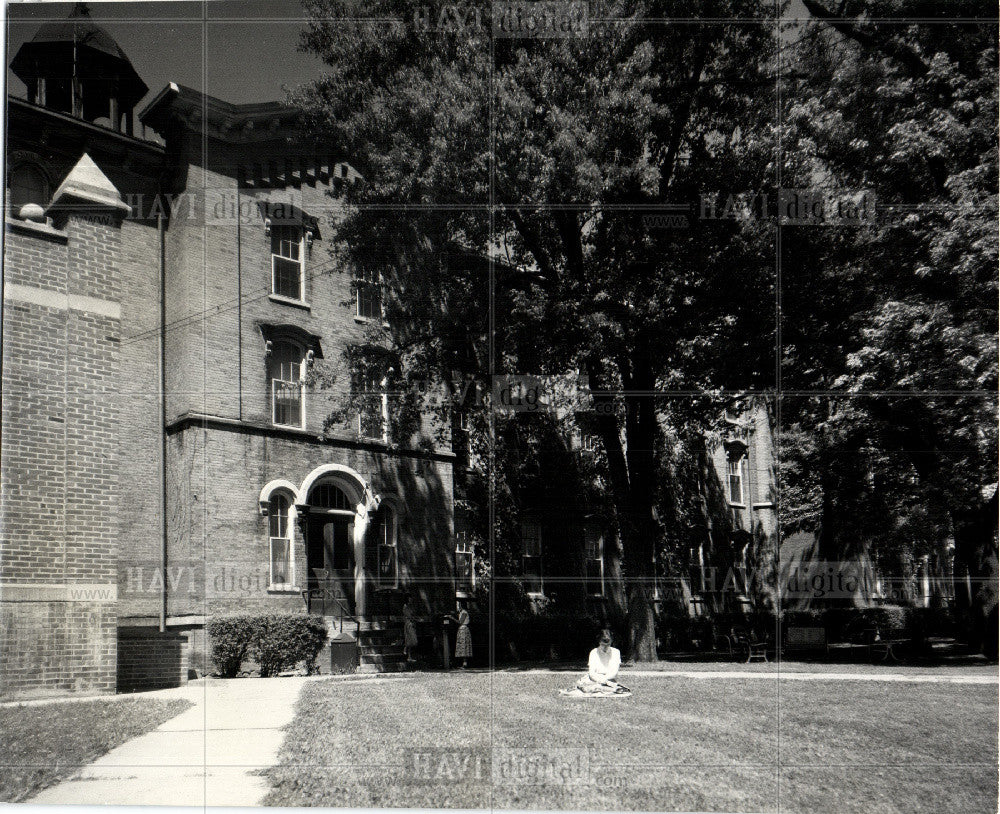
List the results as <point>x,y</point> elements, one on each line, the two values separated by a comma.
<point>74,66</point>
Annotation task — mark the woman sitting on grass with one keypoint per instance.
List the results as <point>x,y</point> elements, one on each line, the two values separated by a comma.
<point>602,669</point>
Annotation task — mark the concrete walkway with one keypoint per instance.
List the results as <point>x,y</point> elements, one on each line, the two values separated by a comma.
<point>206,756</point>
<point>785,675</point>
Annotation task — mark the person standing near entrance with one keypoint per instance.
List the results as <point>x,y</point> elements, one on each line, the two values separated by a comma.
<point>409,631</point>
<point>463,639</point>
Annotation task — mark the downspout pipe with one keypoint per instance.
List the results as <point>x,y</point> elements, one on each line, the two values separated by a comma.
<point>162,419</point>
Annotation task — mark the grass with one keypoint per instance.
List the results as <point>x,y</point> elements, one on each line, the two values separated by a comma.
<point>730,744</point>
<point>43,744</point>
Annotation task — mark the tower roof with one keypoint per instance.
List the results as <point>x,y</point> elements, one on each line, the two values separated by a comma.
<point>80,25</point>
<point>77,46</point>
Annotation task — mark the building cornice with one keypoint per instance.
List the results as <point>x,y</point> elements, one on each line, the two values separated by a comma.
<point>256,122</point>
<point>18,105</point>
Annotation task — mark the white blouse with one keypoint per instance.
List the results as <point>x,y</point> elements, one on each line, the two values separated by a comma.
<point>600,670</point>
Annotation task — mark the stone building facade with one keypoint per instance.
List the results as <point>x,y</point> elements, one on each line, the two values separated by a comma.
<point>182,433</point>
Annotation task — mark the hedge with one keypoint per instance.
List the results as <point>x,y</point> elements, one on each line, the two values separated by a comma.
<point>277,642</point>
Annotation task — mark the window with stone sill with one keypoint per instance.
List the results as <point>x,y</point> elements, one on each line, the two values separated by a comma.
<point>531,560</point>
<point>288,262</point>
<point>373,405</point>
<point>286,376</point>
<point>464,574</point>
<point>735,479</point>
<point>386,534</point>
<point>280,553</point>
<point>368,297</point>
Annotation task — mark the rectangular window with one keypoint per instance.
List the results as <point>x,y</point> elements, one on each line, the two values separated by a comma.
<point>594,541</point>
<point>287,262</point>
<point>372,407</point>
<point>369,295</point>
<point>281,561</point>
<point>286,399</point>
<point>280,544</point>
<point>736,481</point>
<point>464,576</point>
<point>588,443</point>
<point>388,564</point>
<point>531,538</point>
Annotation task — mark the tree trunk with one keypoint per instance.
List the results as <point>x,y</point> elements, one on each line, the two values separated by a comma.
<point>639,589</point>
<point>631,474</point>
<point>976,550</point>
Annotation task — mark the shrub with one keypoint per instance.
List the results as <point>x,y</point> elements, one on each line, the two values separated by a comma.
<point>276,641</point>
<point>888,620</point>
<point>232,638</point>
<point>284,640</point>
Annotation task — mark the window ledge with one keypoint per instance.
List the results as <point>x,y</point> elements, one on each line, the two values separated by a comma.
<point>283,589</point>
<point>289,427</point>
<point>282,300</point>
<point>766,505</point>
<point>366,320</point>
<point>36,228</point>
<point>737,505</point>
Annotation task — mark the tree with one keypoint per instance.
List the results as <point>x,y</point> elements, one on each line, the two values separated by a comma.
<point>548,154</point>
<point>896,319</point>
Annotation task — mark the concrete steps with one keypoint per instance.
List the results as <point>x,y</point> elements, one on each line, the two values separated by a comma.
<point>379,642</point>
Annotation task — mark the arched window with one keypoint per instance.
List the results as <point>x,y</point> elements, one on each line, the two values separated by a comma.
<point>280,541</point>
<point>330,496</point>
<point>286,375</point>
<point>28,184</point>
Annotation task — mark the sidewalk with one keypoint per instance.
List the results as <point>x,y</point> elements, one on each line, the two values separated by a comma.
<point>899,676</point>
<point>207,755</point>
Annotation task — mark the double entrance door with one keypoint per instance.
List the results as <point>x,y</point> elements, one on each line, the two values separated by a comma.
<point>330,557</point>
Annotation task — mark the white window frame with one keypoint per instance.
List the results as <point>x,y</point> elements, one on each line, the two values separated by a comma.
<point>599,559</point>
<point>465,548</point>
<point>383,413</point>
<point>288,540</point>
<point>301,260</point>
<point>388,520</point>
<point>361,283</point>
<point>736,461</point>
<point>275,381</point>
<point>540,556</point>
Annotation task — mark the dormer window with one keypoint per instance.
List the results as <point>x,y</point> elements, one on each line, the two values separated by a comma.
<point>288,269</point>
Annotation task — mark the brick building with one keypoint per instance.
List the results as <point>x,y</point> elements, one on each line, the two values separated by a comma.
<point>174,332</point>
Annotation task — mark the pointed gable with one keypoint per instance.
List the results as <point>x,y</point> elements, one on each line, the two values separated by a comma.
<point>87,185</point>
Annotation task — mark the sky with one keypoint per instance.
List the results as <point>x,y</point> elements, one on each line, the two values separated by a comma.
<point>237,51</point>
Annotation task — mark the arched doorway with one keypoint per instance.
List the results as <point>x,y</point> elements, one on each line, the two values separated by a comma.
<point>335,514</point>
<point>330,546</point>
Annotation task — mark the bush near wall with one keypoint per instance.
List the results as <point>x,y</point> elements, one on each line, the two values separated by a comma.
<point>277,642</point>
<point>891,621</point>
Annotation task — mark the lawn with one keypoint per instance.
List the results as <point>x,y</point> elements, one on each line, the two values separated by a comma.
<point>42,744</point>
<point>727,744</point>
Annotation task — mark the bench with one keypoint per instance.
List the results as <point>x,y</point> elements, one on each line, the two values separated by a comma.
<point>810,639</point>
<point>743,643</point>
